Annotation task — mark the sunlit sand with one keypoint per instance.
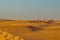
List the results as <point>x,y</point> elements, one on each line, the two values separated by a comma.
<point>29,30</point>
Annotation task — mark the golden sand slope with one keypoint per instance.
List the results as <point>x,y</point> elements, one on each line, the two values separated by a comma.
<point>6,36</point>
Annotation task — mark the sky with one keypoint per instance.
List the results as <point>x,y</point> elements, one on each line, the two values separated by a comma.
<point>30,9</point>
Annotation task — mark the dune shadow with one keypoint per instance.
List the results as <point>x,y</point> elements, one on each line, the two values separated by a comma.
<point>33,28</point>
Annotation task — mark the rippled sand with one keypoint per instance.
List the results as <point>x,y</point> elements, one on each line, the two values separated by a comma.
<point>6,36</point>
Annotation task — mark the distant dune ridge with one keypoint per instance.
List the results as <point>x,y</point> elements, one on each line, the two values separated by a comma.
<point>2,20</point>
<point>30,29</point>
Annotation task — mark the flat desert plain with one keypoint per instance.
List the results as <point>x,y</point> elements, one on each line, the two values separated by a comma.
<point>30,29</point>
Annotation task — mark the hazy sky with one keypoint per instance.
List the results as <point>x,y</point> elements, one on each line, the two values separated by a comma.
<point>30,9</point>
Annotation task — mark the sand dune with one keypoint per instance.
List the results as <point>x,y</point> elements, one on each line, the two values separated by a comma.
<point>33,30</point>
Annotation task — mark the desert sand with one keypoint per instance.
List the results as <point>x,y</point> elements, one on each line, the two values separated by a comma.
<point>31,29</point>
